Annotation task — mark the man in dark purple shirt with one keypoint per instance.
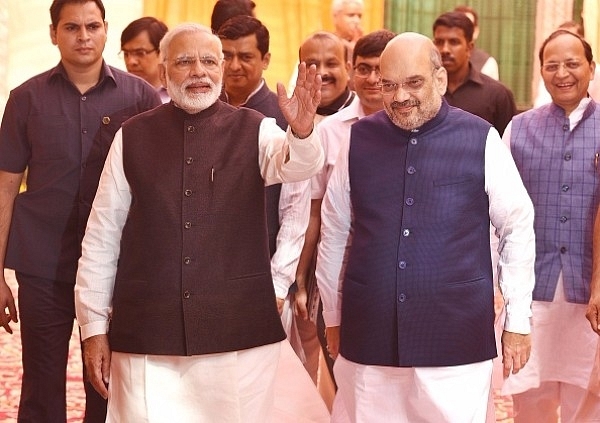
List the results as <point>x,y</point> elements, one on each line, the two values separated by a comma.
<point>59,126</point>
<point>469,89</point>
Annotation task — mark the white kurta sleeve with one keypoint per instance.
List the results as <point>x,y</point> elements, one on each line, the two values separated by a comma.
<point>285,158</point>
<point>101,245</point>
<point>511,214</point>
<point>335,231</point>
<point>294,211</point>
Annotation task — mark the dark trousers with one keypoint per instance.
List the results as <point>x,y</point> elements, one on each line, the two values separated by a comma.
<point>46,315</point>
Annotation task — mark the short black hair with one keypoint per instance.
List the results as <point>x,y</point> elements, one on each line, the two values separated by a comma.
<point>456,20</point>
<point>225,9</point>
<point>242,26</point>
<point>372,44</point>
<point>57,6</point>
<point>156,30</point>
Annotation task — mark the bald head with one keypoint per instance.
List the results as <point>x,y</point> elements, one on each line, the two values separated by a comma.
<point>413,80</point>
<point>410,48</point>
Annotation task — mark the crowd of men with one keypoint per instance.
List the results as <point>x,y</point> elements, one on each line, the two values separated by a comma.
<point>194,222</point>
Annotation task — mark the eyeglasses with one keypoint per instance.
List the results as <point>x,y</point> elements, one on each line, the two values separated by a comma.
<point>569,65</point>
<point>187,62</point>
<point>363,70</point>
<point>411,85</point>
<point>138,53</point>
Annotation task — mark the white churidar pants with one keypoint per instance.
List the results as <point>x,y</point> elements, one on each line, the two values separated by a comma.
<point>374,394</point>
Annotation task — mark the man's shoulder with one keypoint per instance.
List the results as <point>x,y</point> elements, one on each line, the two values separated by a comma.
<point>36,82</point>
<point>123,78</point>
<point>492,85</point>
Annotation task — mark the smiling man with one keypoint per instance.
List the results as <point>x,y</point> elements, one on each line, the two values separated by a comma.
<point>175,269</point>
<point>59,125</point>
<point>556,149</point>
<point>412,293</point>
<point>327,52</point>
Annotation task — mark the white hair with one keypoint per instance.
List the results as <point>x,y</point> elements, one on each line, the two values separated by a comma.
<point>338,5</point>
<point>185,28</point>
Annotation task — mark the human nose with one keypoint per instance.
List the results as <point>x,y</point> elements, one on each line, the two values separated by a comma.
<point>321,70</point>
<point>562,70</point>
<point>443,47</point>
<point>401,94</point>
<point>130,58</point>
<point>374,76</point>
<point>198,69</point>
<point>234,63</point>
<point>83,34</point>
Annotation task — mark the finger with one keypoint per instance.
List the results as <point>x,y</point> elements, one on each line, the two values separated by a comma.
<point>593,318</point>
<point>303,312</point>
<point>302,69</point>
<point>506,366</point>
<point>12,311</point>
<point>106,370</point>
<point>94,377</point>
<point>281,93</point>
<point>5,323</point>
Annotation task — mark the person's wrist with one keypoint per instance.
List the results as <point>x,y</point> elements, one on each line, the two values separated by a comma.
<point>300,136</point>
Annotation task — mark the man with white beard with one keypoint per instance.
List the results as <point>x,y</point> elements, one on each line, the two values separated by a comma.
<point>194,331</point>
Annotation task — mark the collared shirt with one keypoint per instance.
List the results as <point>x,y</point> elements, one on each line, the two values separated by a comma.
<point>62,137</point>
<point>225,96</point>
<point>506,214</point>
<point>334,132</point>
<point>98,264</point>
<point>485,97</point>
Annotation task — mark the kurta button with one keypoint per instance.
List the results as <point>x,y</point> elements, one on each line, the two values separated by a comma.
<point>189,160</point>
<point>187,193</point>
<point>410,201</point>
<point>187,260</point>
<point>406,232</point>
<point>186,294</point>
<point>106,120</point>
<point>411,170</point>
<point>191,128</point>
<point>563,219</point>
<point>187,225</point>
<point>565,188</point>
<point>84,131</point>
<point>563,250</point>
<point>568,156</point>
<point>402,265</point>
<point>402,298</point>
<point>413,141</point>
<point>566,127</point>
<point>84,98</point>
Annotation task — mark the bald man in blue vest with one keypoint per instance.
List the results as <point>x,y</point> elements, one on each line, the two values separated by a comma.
<point>410,298</point>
